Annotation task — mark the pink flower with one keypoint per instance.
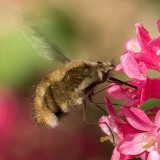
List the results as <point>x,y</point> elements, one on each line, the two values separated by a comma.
<point>148,140</point>
<point>150,88</point>
<point>140,51</point>
<point>120,129</point>
<point>136,132</point>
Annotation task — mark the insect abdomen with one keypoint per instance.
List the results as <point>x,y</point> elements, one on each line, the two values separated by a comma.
<point>47,110</point>
<point>52,104</point>
<point>67,87</point>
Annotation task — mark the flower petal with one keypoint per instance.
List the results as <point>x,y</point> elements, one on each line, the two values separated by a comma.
<point>144,155</point>
<point>132,68</point>
<point>124,129</point>
<point>157,119</point>
<point>104,127</point>
<point>119,67</point>
<point>155,44</point>
<point>116,155</point>
<point>132,144</point>
<point>133,46</point>
<point>149,58</point>
<point>151,89</point>
<point>138,119</point>
<point>158,138</point>
<point>130,103</point>
<point>152,112</point>
<point>153,132</point>
<point>110,108</point>
<point>142,35</point>
<point>143,68</point>
<point>116,91</point>
<point>154,155</point>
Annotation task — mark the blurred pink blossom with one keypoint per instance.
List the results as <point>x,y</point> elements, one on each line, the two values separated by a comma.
<point>8,113</point>
<point>22,139</point>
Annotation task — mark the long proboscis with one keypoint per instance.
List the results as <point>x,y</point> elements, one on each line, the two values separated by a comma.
<point>118,81</point>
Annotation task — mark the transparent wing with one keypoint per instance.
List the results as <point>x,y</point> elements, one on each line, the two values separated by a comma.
<point>44,47</point>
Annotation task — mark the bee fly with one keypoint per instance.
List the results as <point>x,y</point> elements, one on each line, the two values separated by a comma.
<point>68,86</point>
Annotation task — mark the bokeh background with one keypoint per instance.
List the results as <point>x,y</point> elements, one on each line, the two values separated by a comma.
<point>92,30</point>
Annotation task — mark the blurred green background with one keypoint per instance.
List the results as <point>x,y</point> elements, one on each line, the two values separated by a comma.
<point>90,30</point>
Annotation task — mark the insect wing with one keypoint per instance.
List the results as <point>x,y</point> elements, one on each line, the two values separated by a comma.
<point>44,47</point>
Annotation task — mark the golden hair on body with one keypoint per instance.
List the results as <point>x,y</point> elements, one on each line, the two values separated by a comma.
<point>68,86</point>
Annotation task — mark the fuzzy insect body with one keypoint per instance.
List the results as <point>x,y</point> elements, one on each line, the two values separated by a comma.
<point>67,87</point>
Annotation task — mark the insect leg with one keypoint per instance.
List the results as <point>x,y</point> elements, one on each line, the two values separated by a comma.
<point>95,123</point>
<point>91,101</point>
<point>84,112</point>
<point>110,131</point>
<point>85,115</point>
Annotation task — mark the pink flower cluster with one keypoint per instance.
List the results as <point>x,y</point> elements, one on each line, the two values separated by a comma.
<point>136,132</point>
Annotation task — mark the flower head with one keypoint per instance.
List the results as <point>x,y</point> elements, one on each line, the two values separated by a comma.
<point>140,51</point>
<point>119,127</point>
<point>148,138</point>
<point>141,54</point>
<point>136,132</point>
